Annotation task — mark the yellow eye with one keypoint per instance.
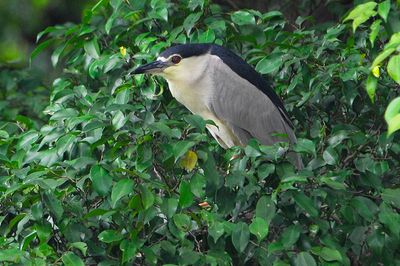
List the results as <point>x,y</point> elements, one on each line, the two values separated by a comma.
<point>176,59</point>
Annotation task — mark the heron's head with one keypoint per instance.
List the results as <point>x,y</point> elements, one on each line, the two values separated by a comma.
<point>179,62</point>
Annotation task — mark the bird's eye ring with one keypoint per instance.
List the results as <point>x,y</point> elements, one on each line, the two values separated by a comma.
<point>176,59</point>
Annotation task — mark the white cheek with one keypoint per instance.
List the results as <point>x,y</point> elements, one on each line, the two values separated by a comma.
<point>172,71</point>
<point>162,59</point>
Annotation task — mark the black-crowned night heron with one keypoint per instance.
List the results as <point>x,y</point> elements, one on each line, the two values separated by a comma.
<point>216,84</point>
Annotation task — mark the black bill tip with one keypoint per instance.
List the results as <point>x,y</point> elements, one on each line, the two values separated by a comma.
<point>152,68</point>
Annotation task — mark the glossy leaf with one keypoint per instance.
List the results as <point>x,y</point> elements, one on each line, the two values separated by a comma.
<point>372,83</point>
<point>243,18</point>
<point>186,196</point>
<point>393,68</point>
<point>304,259</point>
<point>70,259</point>
<point>121,189</point>
<point>392,116</point>
<point>269,64</point>
<point>265,208</point>
<point>240,236</point>
<point>306,146</point>
<point>259,228</point>
<point>361,13</point>
<point>108,236</point>
<point>92,48</point>
<point>101,180</point>
<point>290,236</point>
<point>375,27</point>
<point>146,196</point>
<point>383,9</point>
<point>306,204</point>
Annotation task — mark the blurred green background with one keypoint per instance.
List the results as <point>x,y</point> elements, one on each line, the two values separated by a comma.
<point>21,20</point>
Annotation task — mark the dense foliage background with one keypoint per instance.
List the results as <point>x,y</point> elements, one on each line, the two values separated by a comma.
<point>105,168</point>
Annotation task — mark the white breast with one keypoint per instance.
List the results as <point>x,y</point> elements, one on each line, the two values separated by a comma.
<point>194,93</point>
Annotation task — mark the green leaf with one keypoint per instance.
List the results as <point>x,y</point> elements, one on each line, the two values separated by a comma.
<point>193,4</point>
<point>109,236</point>
<point>290,236</point>
<point>216,230</point>
<point>361,13</point>
<point>329,254</point>
<point>11,255</point>
<point>182,222</point>
<point>129,249</point>
<point>269,63</point>
<point>101,180</point>
<point>265,208</point>
<point>185,195</point>
<point>81,246</point>
<point>4,134</point>
<point>240,236</point>
<point>70,259</point>
<point>99,4</point>
<point>305,145</point>
<point>390,219</point>
<point>365,207</point>
<point>259,227</point>
<point>169,207</point>
<point>391,196</point>
<point>121,189</point>
<point>272,14</point>
<point>306,204</point>
<point>92,48</point>
<point>190,21</point>
<point>265,170</point>
<point>197,184</point>
<point>330,156</point>
<point>147,197</point>
<point>393,68</point>
<point>181,148</point>
<point>392,116</point>
<point>119,120</point>
<point>242,17</point>
<point>55,56</point>
<point>110,22</point>
<point>383,9</point>
<point>382,56</point>
<point>372,83</point>
<point>330,181</point>
<point>65,143</point>
<point>252,149</point>
<point>389,48</point>
<point>46,31</point>
<point>304,259</point>
<point>54,205</point>
<point>375,27</point>
<point>195,121</point>
<point>27,139</point>
<point>39,49</point>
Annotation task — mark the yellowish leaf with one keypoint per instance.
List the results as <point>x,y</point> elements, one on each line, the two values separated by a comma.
<point>376,71</point>
<point>122,50</point>
<point>188,161</point>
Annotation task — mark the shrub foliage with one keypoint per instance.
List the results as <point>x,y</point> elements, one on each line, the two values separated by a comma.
<point>117,172</point>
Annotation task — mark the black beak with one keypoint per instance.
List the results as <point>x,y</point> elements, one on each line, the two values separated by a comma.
<point>152,68</point>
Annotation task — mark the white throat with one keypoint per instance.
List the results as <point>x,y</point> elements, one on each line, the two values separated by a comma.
<point>190,84</point>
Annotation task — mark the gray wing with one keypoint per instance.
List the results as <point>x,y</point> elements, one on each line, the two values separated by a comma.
<point>247,110</point>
